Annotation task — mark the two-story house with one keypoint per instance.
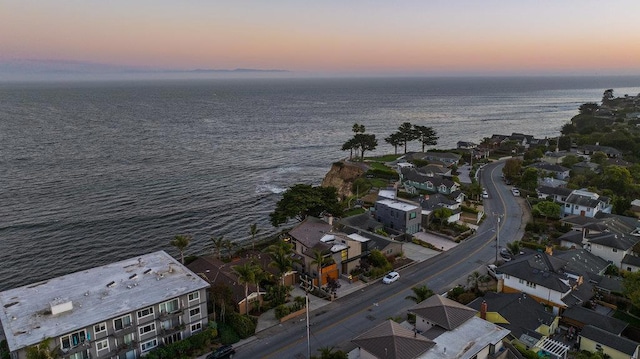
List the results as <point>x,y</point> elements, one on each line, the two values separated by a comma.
<point>594,339</point>
<point>414,180</point>
<point>399,216</point>
<point>585,203</point>
<point>119,310</point>
<point>544,277</point>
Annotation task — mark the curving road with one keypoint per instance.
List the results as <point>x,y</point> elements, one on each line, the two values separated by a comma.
<point>339,322</point>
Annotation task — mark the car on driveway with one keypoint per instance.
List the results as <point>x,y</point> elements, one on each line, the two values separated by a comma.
<point>516,192</point>
<point>390,277</point>
<point>225,351</point>
<point>505,254</point>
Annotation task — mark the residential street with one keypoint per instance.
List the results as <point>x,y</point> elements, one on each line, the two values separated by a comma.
<point>337,323</point>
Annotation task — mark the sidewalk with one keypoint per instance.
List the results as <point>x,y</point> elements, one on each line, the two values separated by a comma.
<point>268,319</point>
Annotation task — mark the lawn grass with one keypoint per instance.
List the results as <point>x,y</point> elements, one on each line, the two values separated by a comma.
<point>380,166</point>
<point>385,158</point>
<point>354,211</point>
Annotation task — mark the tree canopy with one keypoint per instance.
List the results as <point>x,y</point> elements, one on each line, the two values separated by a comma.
<point>360,141</point>
<point>302,200</point>
<point>426,136</point>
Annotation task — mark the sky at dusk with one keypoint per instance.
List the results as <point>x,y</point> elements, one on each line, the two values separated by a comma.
<point>375,36</point>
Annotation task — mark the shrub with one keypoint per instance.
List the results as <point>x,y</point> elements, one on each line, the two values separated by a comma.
<point>282,311</point>
<point>466,298</point>
<point>244,325</point>
<point>228,335</point>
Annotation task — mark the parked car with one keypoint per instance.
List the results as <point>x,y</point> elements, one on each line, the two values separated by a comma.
<point>391,277</point>
<point>485,194</point>
<point>515,191</point>
<point>225,351</point>
<point>505,255</point>
<point>493,271</point>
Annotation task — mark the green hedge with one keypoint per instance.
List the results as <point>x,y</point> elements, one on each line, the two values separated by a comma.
<point>196,344</point>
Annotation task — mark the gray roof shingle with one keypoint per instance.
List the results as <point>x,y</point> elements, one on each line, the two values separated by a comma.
<point>443,312</point>
<point>603,337</point>
<point>393,341</point>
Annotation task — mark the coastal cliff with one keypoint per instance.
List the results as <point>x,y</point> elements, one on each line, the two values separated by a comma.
<point>341,176</point>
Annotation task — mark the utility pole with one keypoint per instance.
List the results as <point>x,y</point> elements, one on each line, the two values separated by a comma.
<point>498,217</point>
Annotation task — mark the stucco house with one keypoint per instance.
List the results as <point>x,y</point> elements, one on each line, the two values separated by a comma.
<point>595,339</point>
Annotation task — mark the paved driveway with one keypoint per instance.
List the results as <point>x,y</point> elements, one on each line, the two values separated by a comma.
<point>439,242</point>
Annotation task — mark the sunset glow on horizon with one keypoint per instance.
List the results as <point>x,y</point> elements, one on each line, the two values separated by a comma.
<point>431,37</point>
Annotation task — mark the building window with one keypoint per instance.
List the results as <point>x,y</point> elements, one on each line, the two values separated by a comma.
<point>598,347</point>
<point>194,296</point>
<point>344,255</point>
<point>196,327</point>
<point>521,281</point>
<point>412,215</point>
<point>614,249</point>
<point>195,311</point>
<point>170,306</point>
<point>145,312</point>
<point>531,285</point>
<point>102,345</point>
<point>146,346</point>
<point>72,340</point>
<point>506,276</point>
<point>129,338</point>
<point>147,328</point>
<point>99,328</point>
<point>122,322</point>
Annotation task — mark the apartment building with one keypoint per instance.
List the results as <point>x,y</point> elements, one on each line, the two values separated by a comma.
<point>120,310</point>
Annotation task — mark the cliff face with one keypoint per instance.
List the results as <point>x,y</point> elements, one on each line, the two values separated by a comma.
<point>341,176</point>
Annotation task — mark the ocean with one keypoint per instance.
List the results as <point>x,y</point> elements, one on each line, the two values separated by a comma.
<point>95,172</point>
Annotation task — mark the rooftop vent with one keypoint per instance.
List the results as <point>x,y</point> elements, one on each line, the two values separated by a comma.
<point>58,307</point>
<point>147,271</point>
<point>133,276</point>
<point>111,284</point>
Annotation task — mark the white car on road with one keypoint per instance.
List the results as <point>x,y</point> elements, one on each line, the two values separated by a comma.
<point>390,277</point>
<point>515,191</point>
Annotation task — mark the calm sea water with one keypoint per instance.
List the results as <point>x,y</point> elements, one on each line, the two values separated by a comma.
<point>91,173</point>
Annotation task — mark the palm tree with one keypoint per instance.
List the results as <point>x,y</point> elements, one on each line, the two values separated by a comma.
<point>181,242</point>
<point>218,243</point>
<point>514,247</point>
<point>253,230</point>
<point>229,247</point>
<point>475,279</point>
<point>420,294</point>
<point>319,260</point>
<point>281,258</point>
<point>259,275</point>
<point>246,275</point>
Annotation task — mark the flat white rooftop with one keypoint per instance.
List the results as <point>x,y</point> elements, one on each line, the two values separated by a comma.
<point>359,238</point>
<point>403,206</point>
<point>94,295</point>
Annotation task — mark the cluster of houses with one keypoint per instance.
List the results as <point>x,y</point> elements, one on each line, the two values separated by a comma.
<point>127,308</point>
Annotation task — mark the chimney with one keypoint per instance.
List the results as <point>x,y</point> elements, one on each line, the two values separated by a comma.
<point>483,310</point>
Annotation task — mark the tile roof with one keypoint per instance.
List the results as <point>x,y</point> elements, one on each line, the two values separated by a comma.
<point>391,340</point>
<point>217,272</point>
<point>443,312</point>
